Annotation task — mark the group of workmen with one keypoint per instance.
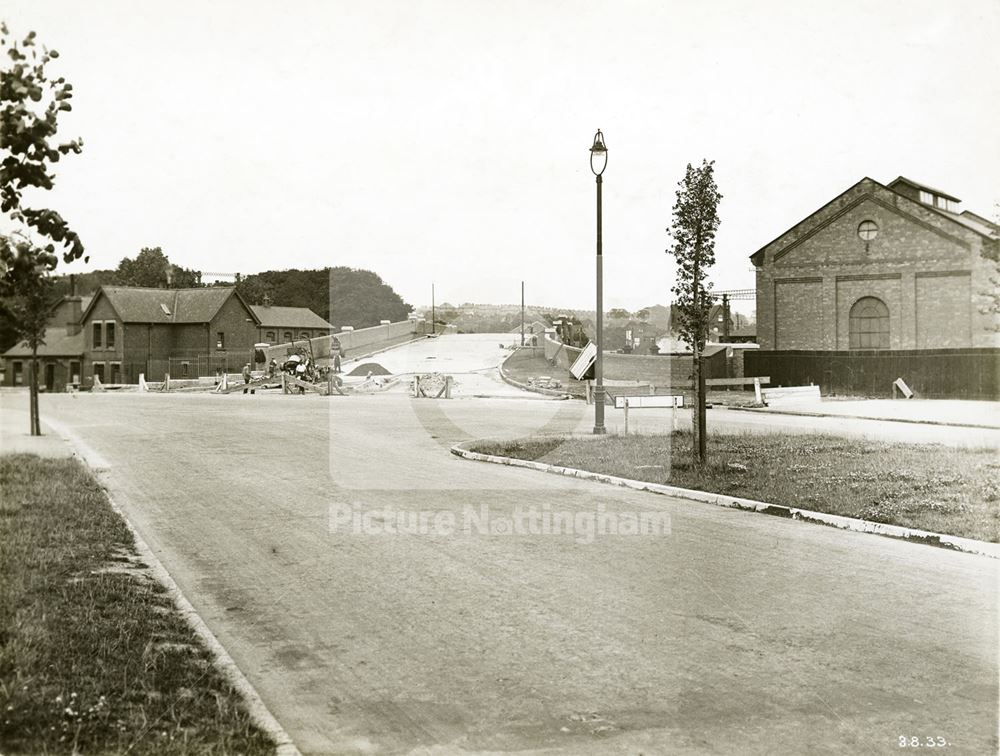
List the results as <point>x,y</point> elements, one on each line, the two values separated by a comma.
<point>294,365</point>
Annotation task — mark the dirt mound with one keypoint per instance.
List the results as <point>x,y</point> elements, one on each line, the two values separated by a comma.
<point>369,367</point>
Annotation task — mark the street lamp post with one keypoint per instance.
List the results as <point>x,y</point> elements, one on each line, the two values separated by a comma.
<point>598,162</point>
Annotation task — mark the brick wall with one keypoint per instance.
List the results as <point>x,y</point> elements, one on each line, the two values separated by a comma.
<point>928,270</point>
<point>102,311</point>
<point>232,320</point>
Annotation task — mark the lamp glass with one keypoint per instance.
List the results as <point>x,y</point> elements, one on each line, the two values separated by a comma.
<point>598,154</point>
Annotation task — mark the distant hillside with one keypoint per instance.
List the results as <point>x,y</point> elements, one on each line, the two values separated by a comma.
<point>343,296</point>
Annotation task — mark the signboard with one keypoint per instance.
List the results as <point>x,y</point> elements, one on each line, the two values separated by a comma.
<point>648,402</point>
<point>584,361</point>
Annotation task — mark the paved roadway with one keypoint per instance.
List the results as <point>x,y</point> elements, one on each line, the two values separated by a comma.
<point>735,633</point>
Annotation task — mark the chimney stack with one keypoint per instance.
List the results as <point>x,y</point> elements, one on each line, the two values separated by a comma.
<point>74,310</point>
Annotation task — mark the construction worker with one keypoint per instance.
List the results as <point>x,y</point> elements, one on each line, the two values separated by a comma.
<point>247,377</point>
<point>336,361</point>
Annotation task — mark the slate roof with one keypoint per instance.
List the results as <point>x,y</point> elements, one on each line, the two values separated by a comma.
<point>57,344</point>
<point>139,305</point>
<point>288,317</point>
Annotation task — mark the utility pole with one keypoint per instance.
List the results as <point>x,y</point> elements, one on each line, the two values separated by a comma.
<point>725,317</point>
<point>433,312</point>
<point>522,313</point>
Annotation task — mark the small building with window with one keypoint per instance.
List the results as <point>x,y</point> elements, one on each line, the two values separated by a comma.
<point>60,358</point>
<point>282,325</point>
<point>880,269</point>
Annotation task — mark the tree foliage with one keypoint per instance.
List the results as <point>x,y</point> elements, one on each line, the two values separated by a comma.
<point>617,313</point>
<point>695,222</point>
<point>30,105</point>
<point>343,296</point>
<point>152,268</point>
<point>34,237</point>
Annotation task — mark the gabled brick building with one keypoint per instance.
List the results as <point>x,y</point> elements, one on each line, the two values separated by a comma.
<point>60,358</point>
<point>183,332</point>
<point>879,269</point>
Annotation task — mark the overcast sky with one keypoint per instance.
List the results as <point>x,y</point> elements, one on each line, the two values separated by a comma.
<point>448,141</point>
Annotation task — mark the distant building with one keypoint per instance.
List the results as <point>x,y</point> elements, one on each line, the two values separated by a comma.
<point>280,325</point>
<point>122,332</point>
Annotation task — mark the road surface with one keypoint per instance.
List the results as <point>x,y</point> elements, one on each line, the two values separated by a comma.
<point>732,633</point>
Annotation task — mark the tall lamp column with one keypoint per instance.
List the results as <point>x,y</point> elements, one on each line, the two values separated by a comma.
<point>598,162</point>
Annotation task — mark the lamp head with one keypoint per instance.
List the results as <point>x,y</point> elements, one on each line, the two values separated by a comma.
<point>598,154</point>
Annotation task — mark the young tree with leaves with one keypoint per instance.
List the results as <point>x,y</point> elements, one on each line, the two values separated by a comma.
<point>33,238</point>
<point>695,222</point>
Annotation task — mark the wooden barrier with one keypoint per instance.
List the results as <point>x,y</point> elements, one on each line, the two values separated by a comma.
<point>746,381</point>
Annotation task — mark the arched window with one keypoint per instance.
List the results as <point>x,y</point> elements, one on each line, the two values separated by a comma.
<point>304,335</point>
<point>270,337</point>
<point>869,324</point>
<point>287,336</point>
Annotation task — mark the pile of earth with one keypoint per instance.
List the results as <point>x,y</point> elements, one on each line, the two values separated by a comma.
<point>369,367</point>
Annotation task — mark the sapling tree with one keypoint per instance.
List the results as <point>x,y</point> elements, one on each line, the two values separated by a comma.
<point>32,239</point>
<point>695,222</point>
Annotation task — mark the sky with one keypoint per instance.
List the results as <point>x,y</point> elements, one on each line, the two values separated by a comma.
<point>448,142</point>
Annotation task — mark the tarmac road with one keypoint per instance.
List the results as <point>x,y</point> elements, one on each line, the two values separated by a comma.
<point>734,633</point>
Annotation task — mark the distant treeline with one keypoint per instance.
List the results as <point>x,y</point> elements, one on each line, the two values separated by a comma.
<point>343,296</point>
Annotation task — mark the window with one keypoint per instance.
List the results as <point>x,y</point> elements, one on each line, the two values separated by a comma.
<point>220,340</point>
<point>869,324</point>
<point>99,371</point>
<point>18,373</point>
<point>288,336</point>
<point>867,230</point>
<point>304,335</point>
<point>109,334</point>
<point>270,337</point>
<point>98,329</point>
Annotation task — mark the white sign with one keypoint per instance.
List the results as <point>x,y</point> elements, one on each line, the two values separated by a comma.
<point>584,361</point>
<point>637,402</point>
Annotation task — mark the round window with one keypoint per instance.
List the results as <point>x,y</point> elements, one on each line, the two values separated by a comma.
<point>868,230</point>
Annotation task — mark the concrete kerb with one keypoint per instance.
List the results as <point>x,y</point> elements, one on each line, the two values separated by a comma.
<point>256,708</point>
<point>956,543</point>
<point>806,413</point>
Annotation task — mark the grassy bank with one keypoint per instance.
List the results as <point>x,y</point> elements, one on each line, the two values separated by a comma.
<point>930,487</point>
<point>94,657</point>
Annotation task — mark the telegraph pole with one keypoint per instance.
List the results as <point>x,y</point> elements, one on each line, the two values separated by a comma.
<point>522,313</point>
<point>433,312</point>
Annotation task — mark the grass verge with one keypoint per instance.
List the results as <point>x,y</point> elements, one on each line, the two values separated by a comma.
<point>926,486</point>
<point>94,656</point>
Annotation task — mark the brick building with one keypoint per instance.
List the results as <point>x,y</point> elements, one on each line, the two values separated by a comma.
<point>891,268</point>
<point>280,325</point>
<point>183,332</point>
<point>60,358</point>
